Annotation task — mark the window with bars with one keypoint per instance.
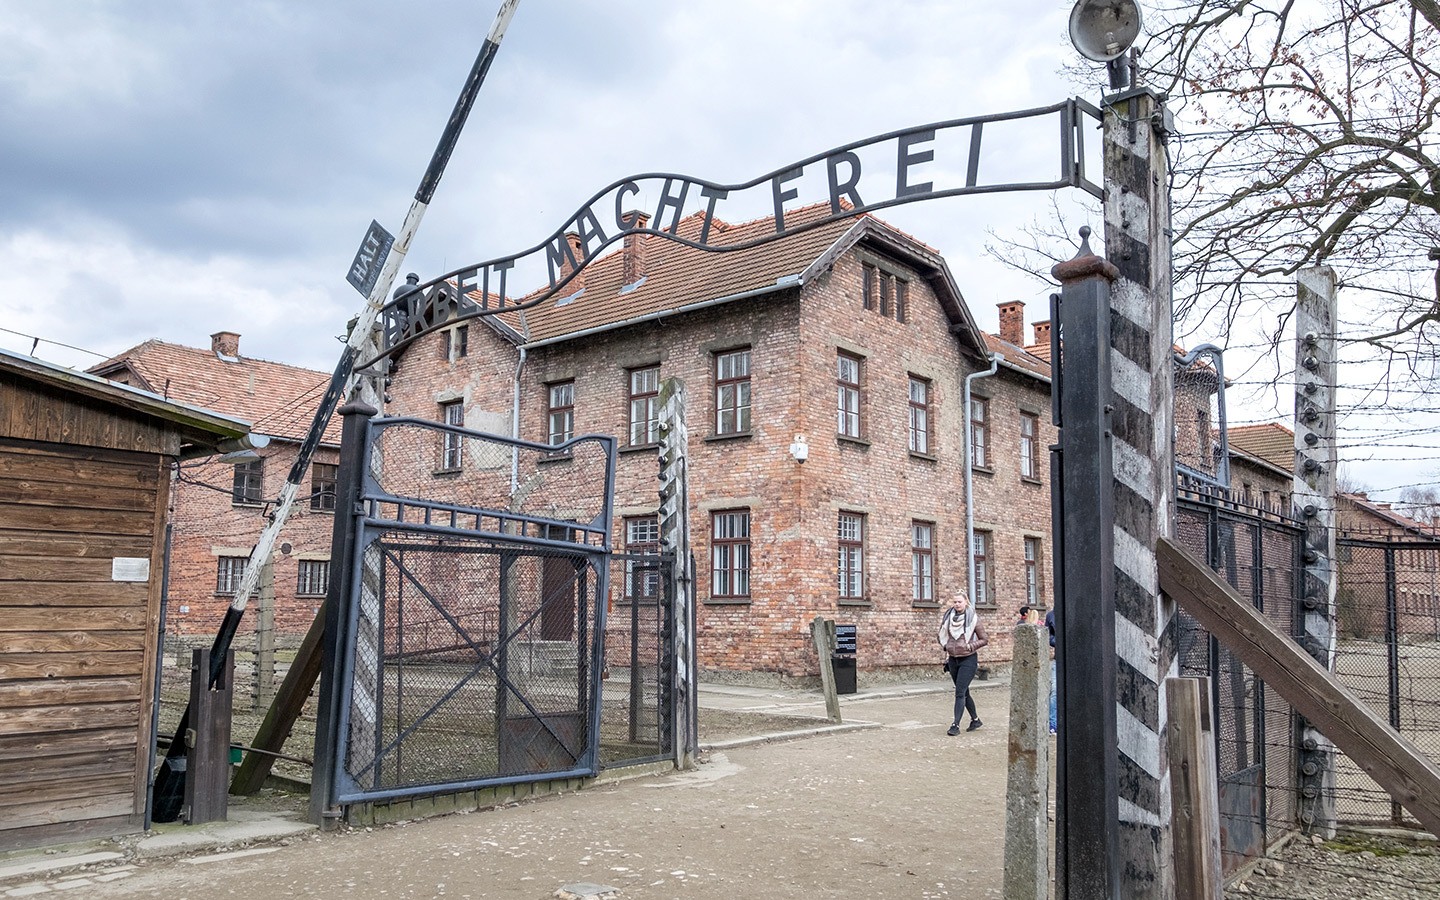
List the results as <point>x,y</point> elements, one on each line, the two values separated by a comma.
<point>847,381</point>
<point>644,406</point>
<point>1032,572</point>
<point>312,578</point>
<point>248,483</point>
<point>228,572</point>
<point>922,562</point>
<point>851,535</point>
<point>560,412</point>
<point>981,587</point>
<point>980,432</point>
<point>732,392</point>
<point>323,478</point>
<point>919,415</point>
<point>730,554</point>
<point>642,577</point>
<point>1029,446</point>
<point>451,445</point>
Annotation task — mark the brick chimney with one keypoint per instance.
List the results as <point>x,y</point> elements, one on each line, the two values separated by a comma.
<point>1012,322</point>
<point>225,343</point>
<point>634,249</point>
<point>1042,332</point>
<point>577,251</point>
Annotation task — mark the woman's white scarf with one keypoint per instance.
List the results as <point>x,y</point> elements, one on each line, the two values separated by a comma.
<point>962,627</point>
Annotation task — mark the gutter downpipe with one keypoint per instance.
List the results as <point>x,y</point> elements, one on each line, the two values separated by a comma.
<point>970,479</point>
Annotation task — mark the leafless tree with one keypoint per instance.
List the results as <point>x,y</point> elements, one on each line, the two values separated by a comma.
<point>1308,137</point>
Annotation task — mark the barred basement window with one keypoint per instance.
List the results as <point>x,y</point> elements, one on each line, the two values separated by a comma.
<point>313,579</point>
<point>228,572</point>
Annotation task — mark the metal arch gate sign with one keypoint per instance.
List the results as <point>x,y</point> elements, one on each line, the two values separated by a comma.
<point>859,177</point>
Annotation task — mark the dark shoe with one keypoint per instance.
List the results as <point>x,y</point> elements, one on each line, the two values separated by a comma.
<point>974,724</point>
<point>954,730</point>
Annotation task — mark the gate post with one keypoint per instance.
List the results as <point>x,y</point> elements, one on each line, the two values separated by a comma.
<point>1313,496</point>
<point>349,479</point>
<point>1137,241</point>
<point>675,537</point>
<point>1086,806</point>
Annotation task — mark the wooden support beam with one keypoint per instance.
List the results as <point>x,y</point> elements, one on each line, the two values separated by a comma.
<point>1395,764</point>
<point>1194,789</point>
<point>822,631</point>
<point>283,712</point>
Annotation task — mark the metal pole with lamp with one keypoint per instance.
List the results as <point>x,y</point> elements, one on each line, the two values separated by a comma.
<point>1115,641</point>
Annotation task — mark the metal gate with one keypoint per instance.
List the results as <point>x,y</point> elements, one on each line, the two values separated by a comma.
<point>1258,552</point>
<point>475,574</point>
<point>1387,651</point>
<point>637,716</point>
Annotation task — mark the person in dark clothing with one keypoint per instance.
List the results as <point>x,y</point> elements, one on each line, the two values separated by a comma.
<point>962,635</point>
<point>1050,625</point>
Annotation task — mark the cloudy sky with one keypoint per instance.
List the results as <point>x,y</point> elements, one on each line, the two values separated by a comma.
<point>172,168</point>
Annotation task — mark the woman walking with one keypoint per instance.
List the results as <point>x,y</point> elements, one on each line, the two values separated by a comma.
<point>962,635</point>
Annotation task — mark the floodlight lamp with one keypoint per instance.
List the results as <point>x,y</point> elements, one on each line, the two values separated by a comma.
<point>1103,30</point>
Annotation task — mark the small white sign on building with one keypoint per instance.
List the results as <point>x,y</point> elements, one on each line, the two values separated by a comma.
<point>130,568</point>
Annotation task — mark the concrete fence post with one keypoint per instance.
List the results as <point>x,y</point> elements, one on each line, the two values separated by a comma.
<point>1027,794</point>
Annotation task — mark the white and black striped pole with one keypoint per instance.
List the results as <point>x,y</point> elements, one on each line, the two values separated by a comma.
<point>372,273</point>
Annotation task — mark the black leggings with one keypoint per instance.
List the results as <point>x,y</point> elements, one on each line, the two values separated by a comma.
<point>962,672</point>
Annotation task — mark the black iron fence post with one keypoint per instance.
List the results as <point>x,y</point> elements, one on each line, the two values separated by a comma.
<point>349,487</point>
<point>1087,806</point>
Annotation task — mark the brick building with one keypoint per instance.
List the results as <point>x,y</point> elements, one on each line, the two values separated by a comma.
<point>1377,538</point>
<point>219,504</point>
<point>825,373</point>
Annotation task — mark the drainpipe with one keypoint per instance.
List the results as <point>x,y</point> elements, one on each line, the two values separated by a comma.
<point>515,426</point>
<point>970,479</point>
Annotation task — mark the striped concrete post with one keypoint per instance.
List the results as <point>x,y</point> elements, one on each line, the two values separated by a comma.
<point>1137,242</point>
<point>675,539</point>
<point>1313,496</point>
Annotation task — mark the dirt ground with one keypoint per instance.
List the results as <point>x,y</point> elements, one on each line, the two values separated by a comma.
<point>900,810</point>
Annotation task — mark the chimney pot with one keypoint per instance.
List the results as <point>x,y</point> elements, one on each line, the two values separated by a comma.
<point>634,248</point>
<point>1012,322</point>
<point>225,343</point>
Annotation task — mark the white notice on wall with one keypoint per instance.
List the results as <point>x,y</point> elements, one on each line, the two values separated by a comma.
<point>130,568</point>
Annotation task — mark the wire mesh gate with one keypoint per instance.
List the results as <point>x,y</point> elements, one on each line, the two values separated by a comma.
<point>1387,651</point>
<point>637,716</point>
<point>1258,553</point>
<point>472,634</point>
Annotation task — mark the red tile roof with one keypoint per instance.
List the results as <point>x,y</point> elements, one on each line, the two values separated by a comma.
<point>278,400</point>
<point>677,276</point>
<point>1271,442</point>
<point>1022,358</point>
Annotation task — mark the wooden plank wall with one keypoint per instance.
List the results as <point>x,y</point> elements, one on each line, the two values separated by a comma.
<point>77,649</point>
<point>34,412</point>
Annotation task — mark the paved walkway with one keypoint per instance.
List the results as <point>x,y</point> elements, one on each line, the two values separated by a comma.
<point>884,805</point>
